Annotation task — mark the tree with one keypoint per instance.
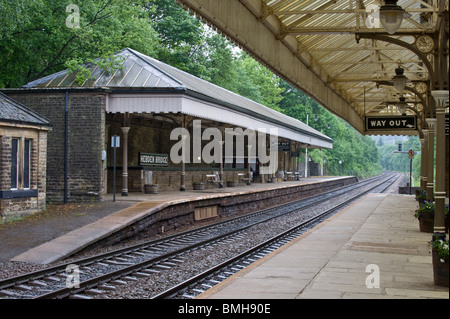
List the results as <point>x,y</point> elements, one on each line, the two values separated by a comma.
<point>352,153</point>
<point>41,43</point>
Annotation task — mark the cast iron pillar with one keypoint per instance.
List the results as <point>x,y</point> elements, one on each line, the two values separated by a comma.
<point>441,98</point>
<point>430,160</point>
<point>125,131</point>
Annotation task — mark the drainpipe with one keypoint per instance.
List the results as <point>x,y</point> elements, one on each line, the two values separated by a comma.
<point>66,145</point>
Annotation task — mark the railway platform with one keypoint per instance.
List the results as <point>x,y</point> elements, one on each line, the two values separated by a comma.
<point>75,238</point>
<point>372,249</point>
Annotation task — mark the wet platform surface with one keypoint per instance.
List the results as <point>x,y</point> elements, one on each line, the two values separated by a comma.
<point>340,259</point>
<point>79,238</point>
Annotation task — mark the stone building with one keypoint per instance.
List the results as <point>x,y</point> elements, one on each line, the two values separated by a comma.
<point>143,102</point>
<point>23,158</point>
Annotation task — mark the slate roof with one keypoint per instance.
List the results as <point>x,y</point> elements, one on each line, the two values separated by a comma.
<point>141,71</point>
<point>13,111</point>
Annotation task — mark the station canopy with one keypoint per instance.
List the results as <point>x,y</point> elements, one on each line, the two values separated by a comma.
<point>144,85</point>
<point>337,51</point>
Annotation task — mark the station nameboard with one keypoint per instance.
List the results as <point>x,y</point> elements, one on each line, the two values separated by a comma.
<point>149,159</point>
<point>391,123</point>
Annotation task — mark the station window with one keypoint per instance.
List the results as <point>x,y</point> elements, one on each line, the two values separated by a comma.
<point>26,164</point>
<point>15,163</point>
<point>20,175</point>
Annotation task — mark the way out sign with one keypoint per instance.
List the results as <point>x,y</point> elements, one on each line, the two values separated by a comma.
<point>390,123</point>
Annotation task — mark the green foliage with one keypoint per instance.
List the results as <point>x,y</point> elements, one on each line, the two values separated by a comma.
<point>391,160</point>
<point>424,207</point>
<point>35,40</point>
<point>352,153</point>
<point>441,246</point>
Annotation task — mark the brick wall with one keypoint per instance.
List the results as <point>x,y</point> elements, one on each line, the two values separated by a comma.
<point>86,131</point>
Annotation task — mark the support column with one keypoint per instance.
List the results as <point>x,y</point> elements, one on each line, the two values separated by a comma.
<point>430,159</point>
<point>425,159</point>
<point>249,163</point>
<point>125,131</point>
<point>183,166</point>
<point>423,162</point>
<point>441,98</point>
<point>222,159</point>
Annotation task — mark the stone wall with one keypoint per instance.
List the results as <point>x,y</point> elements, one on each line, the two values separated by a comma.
<point>21,202</point>
<point>86,140</point>
<point>183,214</point>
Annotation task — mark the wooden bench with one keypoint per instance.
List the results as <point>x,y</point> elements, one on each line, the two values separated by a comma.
<point>291,176</point>
<point>244,179</point>
<point>214,179</point>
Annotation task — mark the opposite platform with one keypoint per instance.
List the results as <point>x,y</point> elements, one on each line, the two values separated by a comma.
<point>330,261</point>
<point>171,205</point>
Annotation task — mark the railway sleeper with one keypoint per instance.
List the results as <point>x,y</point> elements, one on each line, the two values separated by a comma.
<point>150,271</point>
<point>198,290</point>
<point>52,278</point>
<point>7,293</point>
<point>23,287</point>
<point>119,263</point>
<point>93,292</point>
<point>106,287</point>
<point>141,274</point>
<point>162,266</point>
<point>78,296</point>
<point>177,260</point>
<point>130,278</point>
<point>38,283</point>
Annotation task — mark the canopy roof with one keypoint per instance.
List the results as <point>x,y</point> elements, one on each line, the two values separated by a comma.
<point>146,85</point>
<point>337,50</point>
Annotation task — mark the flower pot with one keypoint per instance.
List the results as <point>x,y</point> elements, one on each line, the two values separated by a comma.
<point>426,222</point>
<point>151,189</point>
<point>198,186</point>
<point>231,184</point>
<point>440,270</point>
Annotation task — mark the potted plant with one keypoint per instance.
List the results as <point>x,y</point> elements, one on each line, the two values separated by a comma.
<point>421,195</point>
<point>149,187</point>
<point>425,215</point>
<point>231,183</point>
<point>197,185</point>
<point>440,260</point>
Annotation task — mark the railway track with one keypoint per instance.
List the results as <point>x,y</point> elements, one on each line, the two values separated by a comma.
<point>98,274</point>
<point>198,284</point>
